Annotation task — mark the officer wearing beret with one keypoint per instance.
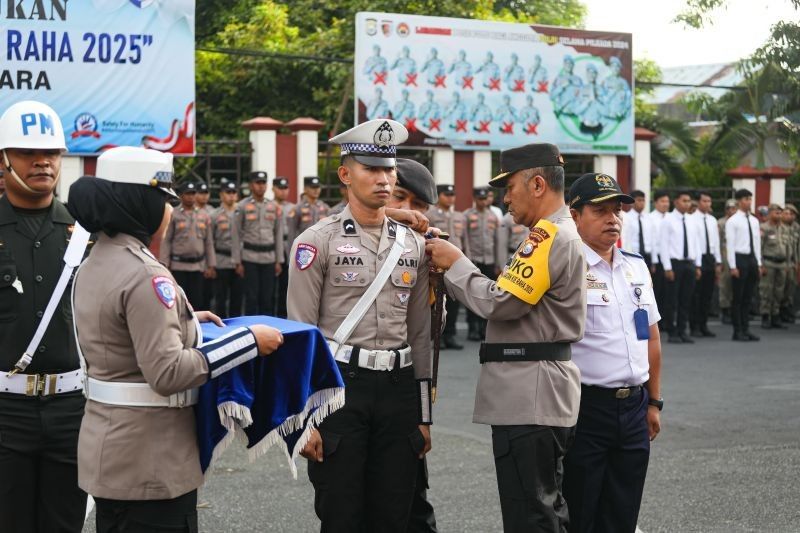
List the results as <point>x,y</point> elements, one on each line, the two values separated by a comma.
<point>620,362</point>
<point>228,286</point>
<point>792,264</point>
<point>188,246</point>
<point>775,244</point>
<point>260,222</point>
<point>363,279</point>
<point>280,190</point>
<point>481,235</point>
<point>443,216</point>
<point>309,210</point>
<point>528,389</point>
<point>201,203</point>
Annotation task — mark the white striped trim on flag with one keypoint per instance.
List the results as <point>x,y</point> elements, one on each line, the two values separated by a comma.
<point>229,351</point>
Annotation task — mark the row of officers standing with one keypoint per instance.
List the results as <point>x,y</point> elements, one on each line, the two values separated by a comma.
<point>690,252</point>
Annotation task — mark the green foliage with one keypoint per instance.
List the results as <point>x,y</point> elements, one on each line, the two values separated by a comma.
<point>232,88</point>
<point>648,71</point>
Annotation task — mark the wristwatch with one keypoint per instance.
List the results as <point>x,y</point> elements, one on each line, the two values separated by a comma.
<point>657,403</point>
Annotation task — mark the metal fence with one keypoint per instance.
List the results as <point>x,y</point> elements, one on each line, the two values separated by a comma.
<point>215,160</point>
<point>793,196</point>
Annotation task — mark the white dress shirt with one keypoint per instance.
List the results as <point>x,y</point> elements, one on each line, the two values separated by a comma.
<point>656,218</point>
<point>671,239</point>
<point>703,223</point>
<point>630,232</point>
<point>737,238</point>
<point>610,355</point>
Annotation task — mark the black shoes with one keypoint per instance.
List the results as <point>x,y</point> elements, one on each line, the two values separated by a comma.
<point>766,323</point>
<point>751,337</point>
<point>740,337</point>
<point>696,333</point>
<point>776,322</point>
<point>705,332</point>
<point>679,338</point>
<point>675,339</point>
<point>449,343</point>
<point>686,339</point>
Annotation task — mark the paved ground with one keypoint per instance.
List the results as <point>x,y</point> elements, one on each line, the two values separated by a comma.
<point>727,461</point>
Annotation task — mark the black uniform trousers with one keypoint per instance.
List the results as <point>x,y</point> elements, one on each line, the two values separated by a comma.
<point>178,515</point>
<point>530,471</point>
<point>38,463</point>
<point>678,296</point>
<point>192,285</point>
<point>422,518</point>
<point>743,289</point>
<point>281,291</point>
<point>659,284</point>
<point>259,290</point>
<point>228,293</point>
<point>208,293</point>
<point>703,292</point>
<point>605,468</point>
<point>452,306</point>
<point>371,445</point>
<point>474,322</point>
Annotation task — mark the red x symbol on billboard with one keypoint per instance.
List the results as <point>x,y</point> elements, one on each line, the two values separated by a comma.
<point>434,123</point>
<point>380,78</point>
<point>440,81</point>
<point>519,86</point>
<point>467,82</point>
<point>542,86</point>
<point>411,124</point>
<point>530,128</point>
<point>483,126</point>
<point>507,128</point>
<point>411,79</point>
<point>494,84</point>
<point>461,125</point>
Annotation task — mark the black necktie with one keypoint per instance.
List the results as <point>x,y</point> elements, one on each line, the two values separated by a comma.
<point>750,233</point>
<point>705,226</point>
<point>641,236</point>
<point>685,238</point>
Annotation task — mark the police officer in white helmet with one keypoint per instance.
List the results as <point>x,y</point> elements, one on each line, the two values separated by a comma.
<point>41,402</point>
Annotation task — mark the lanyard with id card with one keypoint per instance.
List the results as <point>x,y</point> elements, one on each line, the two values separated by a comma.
<point>640,318</point>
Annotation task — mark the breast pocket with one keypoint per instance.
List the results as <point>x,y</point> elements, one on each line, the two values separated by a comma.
<point>402,280</point>
<point>348,283</point>
<point>598,311</point>
<point>9,293</point>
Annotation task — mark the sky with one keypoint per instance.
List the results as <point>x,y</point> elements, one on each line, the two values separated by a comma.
<point>737,31</point>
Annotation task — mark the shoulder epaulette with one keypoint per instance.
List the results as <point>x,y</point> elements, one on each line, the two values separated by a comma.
<point>631,254</point>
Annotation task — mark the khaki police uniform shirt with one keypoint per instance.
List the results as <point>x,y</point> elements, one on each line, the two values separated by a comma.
<point>449,221</point>
<point>774,244</point>
<point>189,235</point>
<point>127,333</point>
<point>530,392</point>
<point>226,238</point>
<point>261,224</point>
<point>334,262</point>
<point>481,233</point>
<point>304,215</point>
<point>509,238</point>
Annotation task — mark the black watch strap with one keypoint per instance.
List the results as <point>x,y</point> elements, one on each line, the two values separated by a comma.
<point>657,403</point>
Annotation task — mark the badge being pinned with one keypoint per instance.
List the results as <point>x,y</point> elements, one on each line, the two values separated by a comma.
<point>305,255</point>
<point>348,249</point>
<point>165,291</point>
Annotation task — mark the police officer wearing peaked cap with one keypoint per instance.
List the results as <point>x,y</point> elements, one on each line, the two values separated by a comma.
<point>142,352</point>
<point>528,389</point>
<point>619,358</point>
<point>372,446</point>
<point>41,406</point>
<point>309,210</point>
<point>228,284</point>
<point>280,190</point>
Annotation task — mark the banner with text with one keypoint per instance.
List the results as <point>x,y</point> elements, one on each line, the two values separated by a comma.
<point>117,72</point>
<point>482,85</point>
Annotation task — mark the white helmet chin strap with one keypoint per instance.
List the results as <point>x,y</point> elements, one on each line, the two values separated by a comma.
<point>21,183</point>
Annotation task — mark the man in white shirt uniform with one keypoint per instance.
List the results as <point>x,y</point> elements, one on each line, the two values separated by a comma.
<point>637,229</point>
<point>743,239</point>
<point>656,217</point>
<point>620,362</point>
<point>679,254</point>
<point>710,265</point>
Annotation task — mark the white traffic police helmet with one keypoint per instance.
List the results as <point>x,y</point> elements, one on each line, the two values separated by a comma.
<point>140,166</point>
<point>31,125</point>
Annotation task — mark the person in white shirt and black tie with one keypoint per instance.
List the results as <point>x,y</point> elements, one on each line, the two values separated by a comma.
<point>743,236</point>
<point>656,217</point>
<point>637,229</point>
<point>710,265</point>
<point>679,254</point>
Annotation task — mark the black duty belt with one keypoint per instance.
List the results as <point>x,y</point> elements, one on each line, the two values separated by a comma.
<point>597,392</point>
<point>524,351</point>
<point>259,247</point>
<point>773,259</point>
<point>187,258</point>
<point>222,251</point>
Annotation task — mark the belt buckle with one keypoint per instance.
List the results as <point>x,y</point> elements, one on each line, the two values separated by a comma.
<point>178,399</point>
<point>621,394</point>
<point>34,385</point>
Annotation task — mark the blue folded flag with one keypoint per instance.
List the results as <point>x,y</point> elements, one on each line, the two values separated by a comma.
<point>269,400</point>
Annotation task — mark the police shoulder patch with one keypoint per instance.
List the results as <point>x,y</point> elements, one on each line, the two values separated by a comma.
<point>527,276</point>
<point>305,255</point>
<point>165,291</point>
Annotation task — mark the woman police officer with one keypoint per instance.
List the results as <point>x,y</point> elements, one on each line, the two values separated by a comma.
<point>140,340</point>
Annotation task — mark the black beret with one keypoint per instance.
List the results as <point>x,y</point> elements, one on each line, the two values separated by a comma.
<point>595,188</point>
<point>529,156</point>
<point>416,178</point>
<point>258,175</point>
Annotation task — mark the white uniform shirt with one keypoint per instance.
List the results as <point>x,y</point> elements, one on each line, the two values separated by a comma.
<point>656,218</point>
<point>630,231</point>
<point>737,238</point>
<point>610,355</point>
<point>703,222</point>
<point>671,239</point>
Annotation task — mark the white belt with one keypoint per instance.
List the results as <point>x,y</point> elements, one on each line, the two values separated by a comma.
<point>371,359</point>
<point>41,384</point>
<point>136,395</point>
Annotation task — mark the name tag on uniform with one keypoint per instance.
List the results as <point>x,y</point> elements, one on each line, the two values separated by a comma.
<point>642,323</point>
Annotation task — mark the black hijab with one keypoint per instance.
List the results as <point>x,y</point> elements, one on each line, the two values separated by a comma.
<point>102,205</point>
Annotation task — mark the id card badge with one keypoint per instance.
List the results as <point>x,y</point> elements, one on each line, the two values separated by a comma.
<point>642,322</point>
